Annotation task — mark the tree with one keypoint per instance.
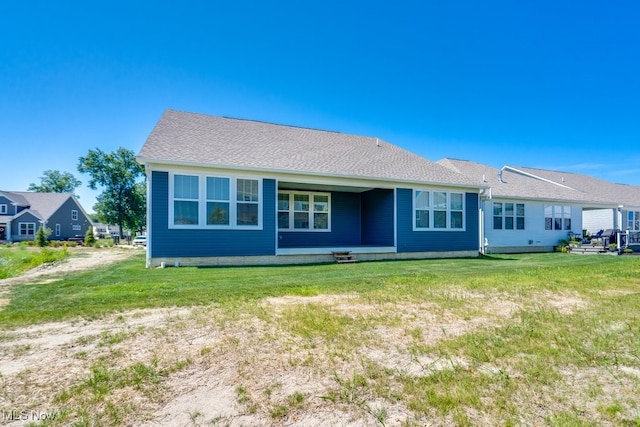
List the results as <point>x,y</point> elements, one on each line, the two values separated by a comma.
<point>89,237</point>
<point>56,182</point>
<point>42,236</point>
<point>123,200</point>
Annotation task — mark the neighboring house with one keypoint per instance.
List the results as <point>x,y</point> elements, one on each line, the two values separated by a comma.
<point>22,213</point>
<point>102,231</point>
<point>623,210</point>
<point>232,191</point>
<point>527,210</point>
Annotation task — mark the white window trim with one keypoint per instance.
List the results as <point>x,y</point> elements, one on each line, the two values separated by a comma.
<point>432,209</point>
<point>58,230</point>
<point>633,220</point>
<point>565,212</point>
<point>3,209</point>
<point>202,202</point>
<point>505,216</point>
<point>291,211</point>
<point>74,215</point>
<point>20,224</point>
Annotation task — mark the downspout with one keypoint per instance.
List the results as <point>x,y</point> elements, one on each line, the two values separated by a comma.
<point>149,234</point>
<point>485,194</point>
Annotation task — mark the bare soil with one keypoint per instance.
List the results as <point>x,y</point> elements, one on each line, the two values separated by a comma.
<point>246,367</point>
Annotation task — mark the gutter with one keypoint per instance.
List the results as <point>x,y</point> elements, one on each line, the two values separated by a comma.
<point>148,163</point>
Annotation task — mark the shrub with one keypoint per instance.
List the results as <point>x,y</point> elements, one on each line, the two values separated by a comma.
<point>42,236</point>
<point>89,237</point>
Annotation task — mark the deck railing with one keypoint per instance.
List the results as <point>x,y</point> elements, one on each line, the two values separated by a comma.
<point>628,238</point>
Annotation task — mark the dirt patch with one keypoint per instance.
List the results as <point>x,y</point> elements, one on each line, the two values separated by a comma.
<point>253,365</point>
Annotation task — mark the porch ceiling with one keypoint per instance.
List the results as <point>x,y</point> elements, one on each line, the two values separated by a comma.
<point>283,185</point>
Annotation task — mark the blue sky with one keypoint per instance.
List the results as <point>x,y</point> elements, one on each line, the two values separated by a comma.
<point>543,84</point>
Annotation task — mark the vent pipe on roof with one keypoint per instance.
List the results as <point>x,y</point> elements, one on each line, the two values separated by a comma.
<point>500,176</point>
<point>377,142</point>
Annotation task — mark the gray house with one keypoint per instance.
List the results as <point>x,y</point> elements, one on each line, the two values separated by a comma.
<point>22,213</point>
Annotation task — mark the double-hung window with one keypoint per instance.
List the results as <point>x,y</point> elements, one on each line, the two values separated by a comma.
<point>247,197</point>
<point>74,215</point>
<point>218,202</point>
<point>508,216</point>
<point>204,201</point>
<point>633,222</point>
<point>27,228</point>
<point>298,211</point>
<point>186,195</point>
<point>438,210</point>
<point>557,217</point>
<point>3,209</point>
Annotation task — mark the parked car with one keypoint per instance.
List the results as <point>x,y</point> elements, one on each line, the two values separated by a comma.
<point>78,238</point>
<point>140,241</point>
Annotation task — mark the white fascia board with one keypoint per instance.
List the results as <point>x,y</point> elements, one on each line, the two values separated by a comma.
<point>530,175</point>
<point>306,177</point>
<point>555,201</point>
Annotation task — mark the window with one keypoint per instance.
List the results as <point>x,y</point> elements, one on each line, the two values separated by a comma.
<point>303,211</point>
<point>218,201</point>
<point>520,216</point>
<point>421,202</point>
<point>57,230</point>
<point>3,209</point>
<point>214,201</point>
<point>438,210</point>
<point>633,222</point>
<point>27,229</point>
<point>247,202</point>
<point>497,216</point>
<point>185,199</point>
<point>74,215</point>
<point>557,217</point>
<point>508,216</point>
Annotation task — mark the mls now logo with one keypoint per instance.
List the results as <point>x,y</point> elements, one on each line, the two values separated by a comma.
<point>28,415</point>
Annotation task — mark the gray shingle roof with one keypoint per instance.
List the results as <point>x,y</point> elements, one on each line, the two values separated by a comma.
<point>197,139</point>
<point>598,189</point>
<point>16,197</point>
<point>530,183</point>
<point>41,204</point>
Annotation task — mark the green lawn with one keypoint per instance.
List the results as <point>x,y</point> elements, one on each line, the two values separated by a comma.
<point>533,339</point>
<point>129,285</point>
<point>16,259</point>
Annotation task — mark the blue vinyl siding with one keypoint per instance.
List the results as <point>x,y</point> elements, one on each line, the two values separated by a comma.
<point>437,241</point>
<point>11,209</point>
<point>25,218</point>
<point>345,226</point>
<point>170,243</point>
<point>377,218</point>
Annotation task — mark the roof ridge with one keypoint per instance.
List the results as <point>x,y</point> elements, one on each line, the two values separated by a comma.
<point>291,126</point>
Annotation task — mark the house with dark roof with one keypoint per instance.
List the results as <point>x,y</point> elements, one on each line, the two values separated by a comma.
<point>22,213</point>
<point>232,191</point>
<point>531,210</point>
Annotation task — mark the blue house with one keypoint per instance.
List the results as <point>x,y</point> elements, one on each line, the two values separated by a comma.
<point>22,213</point>
<point>224,191</point>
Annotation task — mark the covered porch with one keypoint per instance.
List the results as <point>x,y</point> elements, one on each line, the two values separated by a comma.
<point>318,219</point>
